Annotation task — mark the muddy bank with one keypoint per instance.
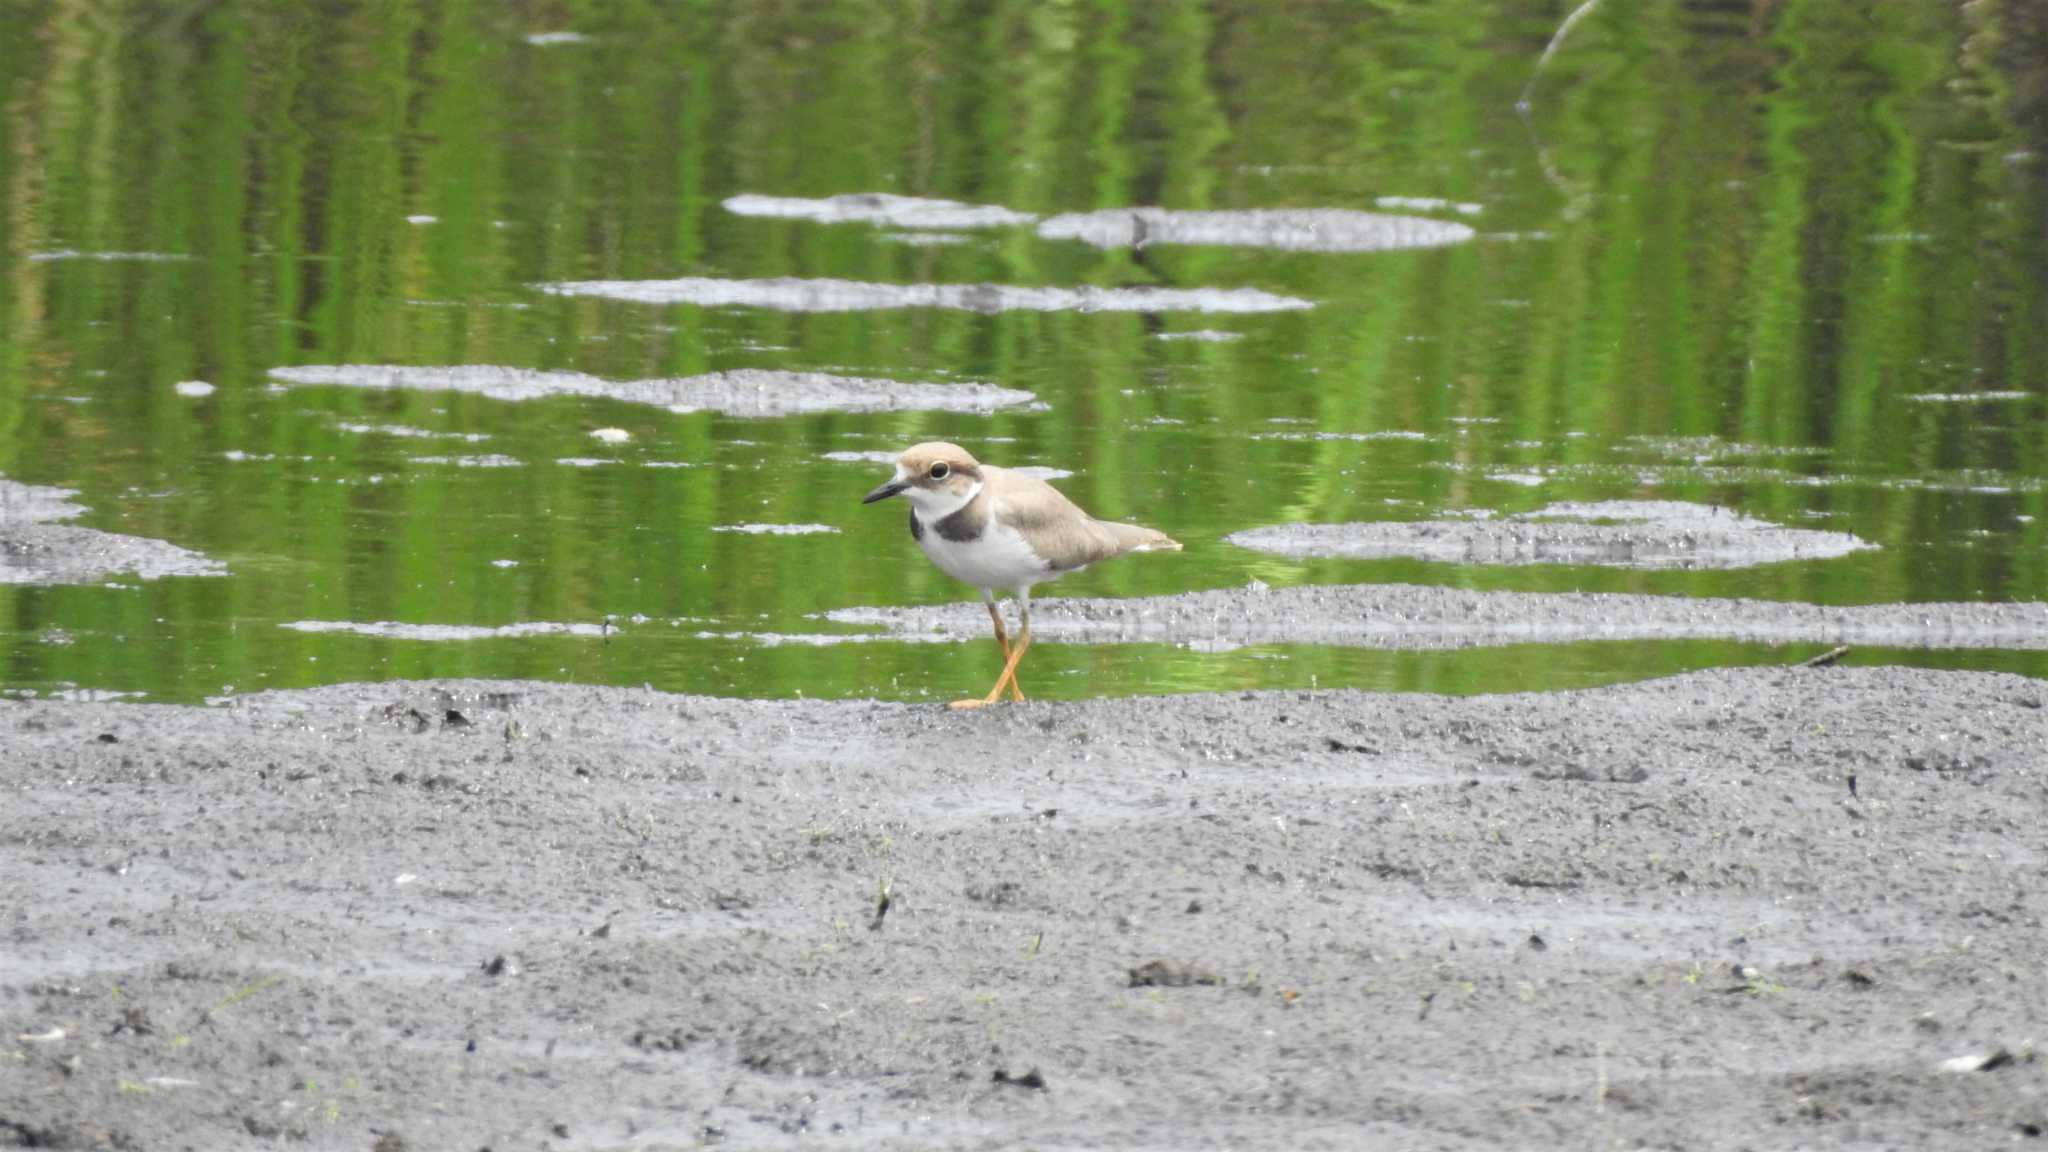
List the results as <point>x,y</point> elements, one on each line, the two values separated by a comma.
<point>37,548</point>
<point>1746,908</point>
<point>1415,616</point>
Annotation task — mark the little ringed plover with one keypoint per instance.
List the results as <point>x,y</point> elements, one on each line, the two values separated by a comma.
<point>1001,530</point>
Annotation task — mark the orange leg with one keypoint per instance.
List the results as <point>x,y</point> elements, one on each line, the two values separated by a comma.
<point>1012,654</point>
<point>995,617</point>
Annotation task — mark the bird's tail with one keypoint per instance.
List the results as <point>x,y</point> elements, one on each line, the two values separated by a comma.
<point>1132,538</point>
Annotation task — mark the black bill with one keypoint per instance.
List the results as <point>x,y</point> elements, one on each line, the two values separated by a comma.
<point>885,491</point>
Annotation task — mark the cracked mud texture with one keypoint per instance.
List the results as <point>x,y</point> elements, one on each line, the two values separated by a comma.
<point>1730,909</point>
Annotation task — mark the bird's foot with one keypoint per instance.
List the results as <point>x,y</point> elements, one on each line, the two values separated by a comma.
<point>963,705</point>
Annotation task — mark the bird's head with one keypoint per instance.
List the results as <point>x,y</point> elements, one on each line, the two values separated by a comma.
<point>935,476</point>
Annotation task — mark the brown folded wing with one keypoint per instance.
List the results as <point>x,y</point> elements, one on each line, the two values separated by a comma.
<point>1058,530</point>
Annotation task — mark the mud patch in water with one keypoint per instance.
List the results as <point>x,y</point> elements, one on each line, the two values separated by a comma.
<point>389,630</point>
<point>1966,397</point>
<point>825,639</point>
<point>35,549</point>
<point>1427,204</point>
<point>1361,437</point>
<point>1284,229</point>
<point>404,432</point>
<point>1650,534</point>
<point>926,239</point>
<point>878,208</point>
<point>1417,617</point>
<point>73,695</point>
<point>108,257</point>
<point>777,529</point>
<point>746,392</point>
<point>789,294</point>
<point>494,460</point>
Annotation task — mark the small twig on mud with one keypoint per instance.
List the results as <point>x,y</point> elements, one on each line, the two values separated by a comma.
<point>1032,1080</point>
<point>1600,1078</point>
<point>1826,659</point>
<point>882,904</point>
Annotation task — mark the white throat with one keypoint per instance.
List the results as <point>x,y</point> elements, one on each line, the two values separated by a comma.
<point>933,506</point>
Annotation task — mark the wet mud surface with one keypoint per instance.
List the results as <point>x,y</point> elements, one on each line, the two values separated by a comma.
<point>36,548</point>
<point>1418,616</point>
<point>1756,908</point>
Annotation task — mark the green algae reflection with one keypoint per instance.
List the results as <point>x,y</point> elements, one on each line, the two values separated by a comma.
<point>1787,259</point>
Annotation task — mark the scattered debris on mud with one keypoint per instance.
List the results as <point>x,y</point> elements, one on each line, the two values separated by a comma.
<point>1171,974</point>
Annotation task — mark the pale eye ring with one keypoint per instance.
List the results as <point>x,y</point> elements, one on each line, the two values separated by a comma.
<point>940,471</point>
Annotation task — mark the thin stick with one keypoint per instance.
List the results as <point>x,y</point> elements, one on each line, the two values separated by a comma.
<point>1575,197</point>
<point>1827,658</point>
<point>1556,42</point>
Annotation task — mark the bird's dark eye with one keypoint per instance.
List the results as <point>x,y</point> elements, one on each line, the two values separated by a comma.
<point>939,470</point>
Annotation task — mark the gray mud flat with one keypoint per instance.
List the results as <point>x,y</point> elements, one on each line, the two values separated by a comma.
<point>1646,534</point>
<point>33,550</point>
<point>1757,908</point>
<point>1418,616</point>
<point>744,392</point>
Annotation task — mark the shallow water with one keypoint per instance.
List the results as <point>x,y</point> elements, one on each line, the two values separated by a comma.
<point>1231,268</point>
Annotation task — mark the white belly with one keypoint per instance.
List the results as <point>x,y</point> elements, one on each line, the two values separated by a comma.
<point>999,558</point>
